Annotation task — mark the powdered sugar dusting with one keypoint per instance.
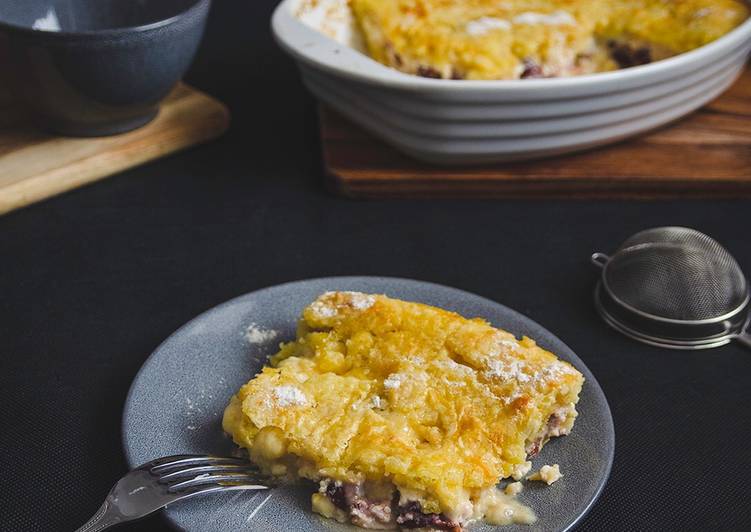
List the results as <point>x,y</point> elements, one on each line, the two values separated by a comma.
<point>394,380</point>
<point>334,19</point>
<point>323,309</point>
<point>255,334</point>
<point>554,371</point>
<point>328,305</point>
<point>511,344</point>
<point>289,396</point>
<point>49,22</point>
<point>197,406</point>
<point>483,25</point>
<point>556,18</point>
<point>451,366</point>
<point>360,301</point>
<point>506,370</point>
<point>500,346</point>
<point>703,12</point>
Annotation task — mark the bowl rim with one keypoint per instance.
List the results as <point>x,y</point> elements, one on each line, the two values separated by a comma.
<point>109,32</point>
<point>294,37</point>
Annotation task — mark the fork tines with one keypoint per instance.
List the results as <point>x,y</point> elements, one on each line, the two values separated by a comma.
<point>180,473</point>
<point>162,465</point>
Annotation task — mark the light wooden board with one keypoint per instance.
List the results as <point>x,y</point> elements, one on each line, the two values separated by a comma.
<point>706,154</point>
<point>35,165</point>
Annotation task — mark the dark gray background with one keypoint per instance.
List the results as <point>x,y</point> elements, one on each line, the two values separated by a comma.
<point>92,281</point>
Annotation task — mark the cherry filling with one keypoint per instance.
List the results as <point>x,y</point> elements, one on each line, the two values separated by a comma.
<point>362,511</point>
<point>410,515</point>
<point>336,494</point>
<point>380,514</point>
<point>554,427</point>
<point>629,56</point>
<point>428,72</point>
<point>531,70</point>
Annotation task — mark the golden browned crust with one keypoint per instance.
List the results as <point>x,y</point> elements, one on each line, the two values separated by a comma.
<point>488,39</point>
<point>424,400</point>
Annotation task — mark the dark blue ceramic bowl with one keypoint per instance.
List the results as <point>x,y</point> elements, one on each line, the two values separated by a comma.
<point>97,67</point>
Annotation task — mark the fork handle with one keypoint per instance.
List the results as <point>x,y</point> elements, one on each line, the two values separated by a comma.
<point>104,518</point>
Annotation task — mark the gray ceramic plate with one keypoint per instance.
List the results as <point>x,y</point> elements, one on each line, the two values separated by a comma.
<point>176,402</point>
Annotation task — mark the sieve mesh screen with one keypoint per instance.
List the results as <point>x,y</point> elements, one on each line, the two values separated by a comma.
<point>676,273</point>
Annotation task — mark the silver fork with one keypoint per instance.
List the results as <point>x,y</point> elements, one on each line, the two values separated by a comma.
<point>163,481</point>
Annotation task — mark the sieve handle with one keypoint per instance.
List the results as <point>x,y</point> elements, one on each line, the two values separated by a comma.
<point>600,259</point>
<point>744,338</point>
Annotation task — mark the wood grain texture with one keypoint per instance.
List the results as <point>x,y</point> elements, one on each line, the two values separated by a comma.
<point>706,154</point>
<point>35,165</point>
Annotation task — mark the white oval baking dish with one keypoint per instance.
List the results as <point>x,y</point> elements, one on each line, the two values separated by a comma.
<point>470,122</point>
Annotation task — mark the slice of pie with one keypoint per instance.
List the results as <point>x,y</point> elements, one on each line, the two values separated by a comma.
<point>511,39</point>
<point>406,415</point>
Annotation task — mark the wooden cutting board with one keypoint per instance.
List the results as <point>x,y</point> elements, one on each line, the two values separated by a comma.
<point>706,154</point>
<point>35,165</point>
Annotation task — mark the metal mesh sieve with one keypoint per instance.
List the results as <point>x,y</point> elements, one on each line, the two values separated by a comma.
<point>676,273</point>
<point>673,286</point>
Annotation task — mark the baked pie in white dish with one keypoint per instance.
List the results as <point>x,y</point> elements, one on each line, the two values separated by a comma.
<point>406,415</point>
<point>362,62</point>
<point>521,39</point>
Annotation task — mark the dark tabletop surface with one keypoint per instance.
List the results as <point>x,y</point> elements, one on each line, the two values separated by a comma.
<point>93,280</point>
